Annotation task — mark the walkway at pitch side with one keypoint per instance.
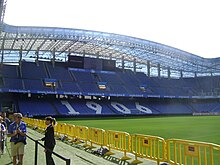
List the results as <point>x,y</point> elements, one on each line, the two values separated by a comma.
<point>77,154</point>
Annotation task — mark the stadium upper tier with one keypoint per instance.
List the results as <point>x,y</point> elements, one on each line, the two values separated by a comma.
<point>29,43</point>
<point>46,78</point>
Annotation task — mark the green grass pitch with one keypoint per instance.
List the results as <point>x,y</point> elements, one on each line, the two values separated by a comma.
<point>196,128</point>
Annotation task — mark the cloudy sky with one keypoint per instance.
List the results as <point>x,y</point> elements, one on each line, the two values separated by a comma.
<point>190,25</point>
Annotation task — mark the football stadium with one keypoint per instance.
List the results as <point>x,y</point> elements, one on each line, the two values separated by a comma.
<point>143,101</point>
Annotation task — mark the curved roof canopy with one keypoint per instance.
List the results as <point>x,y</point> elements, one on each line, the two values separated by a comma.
<point>50,42</point>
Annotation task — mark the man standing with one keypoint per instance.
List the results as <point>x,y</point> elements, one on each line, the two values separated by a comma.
<point>2,135</point>
<point>17,131</point>
<point>5,120</point>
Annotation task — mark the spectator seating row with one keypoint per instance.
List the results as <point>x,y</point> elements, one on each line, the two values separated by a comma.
<point>30,76</point>
<point>107,107</point>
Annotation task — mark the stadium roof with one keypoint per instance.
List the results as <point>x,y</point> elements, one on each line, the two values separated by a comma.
<point>61,42</point>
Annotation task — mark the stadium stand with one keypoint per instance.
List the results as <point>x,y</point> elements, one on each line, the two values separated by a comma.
<point>31,70</point>
<point>13,83</point>
<point>205,107</point>
<point>122,75</point>
<point>170,107</point>
<point>59,71</point>
<point>161,93</point>
<point>91,107</point>
<point>69,86</point>
<point>36,107</point>
<point>102,74</point>
<point>10,71</point>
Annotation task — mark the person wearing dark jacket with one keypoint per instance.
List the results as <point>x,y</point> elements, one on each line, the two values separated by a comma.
<point>49,140</point>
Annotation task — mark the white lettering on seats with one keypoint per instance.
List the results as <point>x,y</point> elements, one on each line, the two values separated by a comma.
<point>142,108</point>
<point>69,107</point>
<point>120,107</point>
<point>94,106</point>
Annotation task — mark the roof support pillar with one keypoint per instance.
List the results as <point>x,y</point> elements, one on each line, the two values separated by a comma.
<point>181,74</point>
<point>195,74</point>
<point>68,55</point>
<point>53,59</point>
<point>37,55</point>
<point>2,58</point>
<point>148,68</point>
<point>110,56</point>
<point>158,70</point>
<point>168,72</point>
<point>97,55</point>
<point>134,65</point>
<point>123,63</point>
<point>20,55</point>
<point>2,47</point>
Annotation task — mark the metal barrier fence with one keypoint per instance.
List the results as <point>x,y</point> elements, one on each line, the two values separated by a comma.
<point>150,147</point>
<point>71,132</point>
<point>192,153</point>
<point>119,141</point>
<point>60,129</point>
<point>96,136</point>
<point>173,151</point>
<point>67,160</point>
<point>42,124</point>
<point>82,134</point>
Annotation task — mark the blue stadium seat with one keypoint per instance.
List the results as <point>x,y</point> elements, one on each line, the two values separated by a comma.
<point>36,107</point>
<point>10,71</point>
<point>59,71</point>
<point>12,83</point>
<point>31,70</point>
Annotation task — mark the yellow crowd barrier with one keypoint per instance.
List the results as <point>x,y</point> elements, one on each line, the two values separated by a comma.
<point>38,122</point>
<point>173,151</point>
<point>34,122</point>
<point>192,153</point>
<point>27,120</point>
<point>150,147</point>
<point>42,124</point>
<point>119,141</point>
<point>82,134</point>
<point>70,131</point>
<point>60,129</point>
<point>96,136</point>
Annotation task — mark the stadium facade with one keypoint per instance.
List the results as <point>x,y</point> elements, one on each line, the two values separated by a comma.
<point>57,64</point>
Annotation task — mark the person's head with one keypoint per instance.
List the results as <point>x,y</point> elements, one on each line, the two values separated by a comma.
<point>14,116</point>
<point>50,120</point>
<point>1,119</point>
<point>17,117</point>
<point>4,115</point>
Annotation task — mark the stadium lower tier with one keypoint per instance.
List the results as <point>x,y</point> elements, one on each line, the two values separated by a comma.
<point>83,107</point>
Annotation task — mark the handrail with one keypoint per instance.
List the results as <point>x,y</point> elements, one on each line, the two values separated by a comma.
<point>67,160</point>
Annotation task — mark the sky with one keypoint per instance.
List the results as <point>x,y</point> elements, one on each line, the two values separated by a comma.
<point>189,25</point>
